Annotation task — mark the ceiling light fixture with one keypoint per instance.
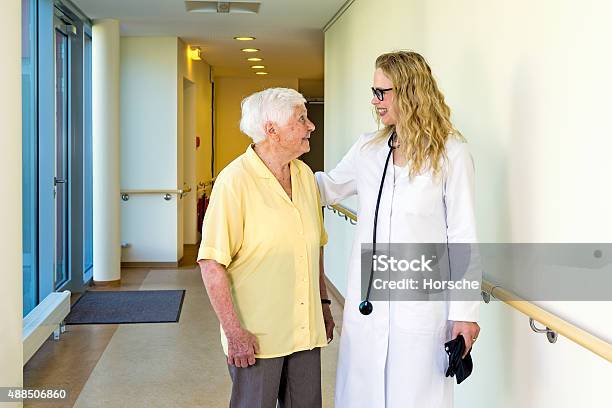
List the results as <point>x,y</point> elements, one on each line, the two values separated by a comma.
<point>249,49</point>
<point>195,53</point>
<point>261,73</point>
<point>255,59</point>
<point>244,38</point>
<point>258,66</point>
<point>222,7</point>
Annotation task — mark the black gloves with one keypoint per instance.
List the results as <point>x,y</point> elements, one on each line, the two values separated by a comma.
<point>457,366</point>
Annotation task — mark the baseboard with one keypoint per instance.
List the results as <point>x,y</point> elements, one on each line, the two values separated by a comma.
<point>107,284</point>
<point>150,264</point>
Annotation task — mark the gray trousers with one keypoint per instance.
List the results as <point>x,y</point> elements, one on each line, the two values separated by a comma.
<point>293,380</point>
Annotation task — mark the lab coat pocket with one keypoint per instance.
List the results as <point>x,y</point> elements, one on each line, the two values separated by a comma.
<point>417,196</point>
<point>425,316</point>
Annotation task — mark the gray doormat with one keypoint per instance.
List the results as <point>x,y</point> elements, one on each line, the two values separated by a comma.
<point>115,307</point>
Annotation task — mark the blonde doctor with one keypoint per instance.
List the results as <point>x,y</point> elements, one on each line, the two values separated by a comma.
<point>394,357</point>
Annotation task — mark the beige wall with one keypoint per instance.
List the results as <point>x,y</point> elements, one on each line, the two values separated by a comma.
<point>193,76</point>
<point>198,72</point>
<point>11,361</point>
<point>229,92</point>
<point>529,84</point>
<point>311,88</point>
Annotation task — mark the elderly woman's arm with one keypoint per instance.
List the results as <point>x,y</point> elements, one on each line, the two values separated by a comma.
<point>327,314</point>
<point>241,345</point>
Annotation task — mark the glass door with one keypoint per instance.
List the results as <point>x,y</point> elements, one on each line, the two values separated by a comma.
<point>87,160</point>
<point>62,40</point>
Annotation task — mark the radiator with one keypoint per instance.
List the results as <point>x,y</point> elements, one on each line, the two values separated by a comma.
<point>43,320</point>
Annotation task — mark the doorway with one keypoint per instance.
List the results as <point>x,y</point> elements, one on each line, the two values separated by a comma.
<point>315,158</point>
<point>189,163</point>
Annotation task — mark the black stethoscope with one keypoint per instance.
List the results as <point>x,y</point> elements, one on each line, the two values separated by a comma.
<point>366,307</point>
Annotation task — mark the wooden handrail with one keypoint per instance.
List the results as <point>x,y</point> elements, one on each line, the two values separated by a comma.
<point>205,187</point>
<point>154,191</point>
<point>345,211</point>
<point>125,194</point>
<point>579,336</point>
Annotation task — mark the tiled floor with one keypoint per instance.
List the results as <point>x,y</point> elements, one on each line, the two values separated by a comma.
<point>148,365</point>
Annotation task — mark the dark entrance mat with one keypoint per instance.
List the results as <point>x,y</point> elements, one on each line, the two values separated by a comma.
<point>138,306</point>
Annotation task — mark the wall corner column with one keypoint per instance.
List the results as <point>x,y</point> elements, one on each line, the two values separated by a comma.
<point>106,151</point>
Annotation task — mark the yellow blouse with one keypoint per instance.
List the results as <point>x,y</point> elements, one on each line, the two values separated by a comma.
<point>270,246</point>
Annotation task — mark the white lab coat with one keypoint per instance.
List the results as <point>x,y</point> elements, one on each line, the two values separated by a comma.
<point>395,358</point>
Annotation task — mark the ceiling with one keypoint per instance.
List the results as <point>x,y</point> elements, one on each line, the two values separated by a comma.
<point>288,32</point>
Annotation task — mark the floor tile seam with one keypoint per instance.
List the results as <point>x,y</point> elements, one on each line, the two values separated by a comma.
<point>106,347</point>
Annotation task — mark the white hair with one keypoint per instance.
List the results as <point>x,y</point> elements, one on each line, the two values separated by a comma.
<point>270,105</point>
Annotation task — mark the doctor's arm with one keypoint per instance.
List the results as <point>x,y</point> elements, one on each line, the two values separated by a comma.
<point>341,182</point>
<point>461,221</point>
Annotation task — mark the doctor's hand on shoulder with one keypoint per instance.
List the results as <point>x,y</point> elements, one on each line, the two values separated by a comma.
<point>469,331</point>
<point>242,346</point>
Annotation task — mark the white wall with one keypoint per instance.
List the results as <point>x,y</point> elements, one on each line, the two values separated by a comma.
<point>529,86</point>
<point>149,147</point>
<point>10,209</point>
<point>157,148</point>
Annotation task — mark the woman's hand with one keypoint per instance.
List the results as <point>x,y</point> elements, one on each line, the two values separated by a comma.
<point>241,348</point>
<point>329,322</point>
<point>469,331</point>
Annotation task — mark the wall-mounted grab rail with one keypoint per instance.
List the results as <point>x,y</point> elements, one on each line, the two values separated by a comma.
<point>166,194</point>
<point>344,212</point>
<point>554,324</point>
<point>205,187</point>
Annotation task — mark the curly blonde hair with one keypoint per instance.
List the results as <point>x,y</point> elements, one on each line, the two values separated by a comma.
<point>423,124</point>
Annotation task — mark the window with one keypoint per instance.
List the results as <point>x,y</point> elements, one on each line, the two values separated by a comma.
<point>29,155</point>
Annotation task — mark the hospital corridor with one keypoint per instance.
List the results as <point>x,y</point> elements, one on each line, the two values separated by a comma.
<point>190,180</point>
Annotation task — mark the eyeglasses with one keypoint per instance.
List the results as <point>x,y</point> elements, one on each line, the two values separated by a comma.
<point>379,93</point>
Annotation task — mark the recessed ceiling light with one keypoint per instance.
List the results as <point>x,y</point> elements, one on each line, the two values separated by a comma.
<point>261,73</point>
<point>258,66</point>
<point>255,59</point>
<point>249,49</point>
<point>244,38</point>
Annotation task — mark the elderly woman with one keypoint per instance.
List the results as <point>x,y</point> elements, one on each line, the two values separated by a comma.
<point>261,259</point>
